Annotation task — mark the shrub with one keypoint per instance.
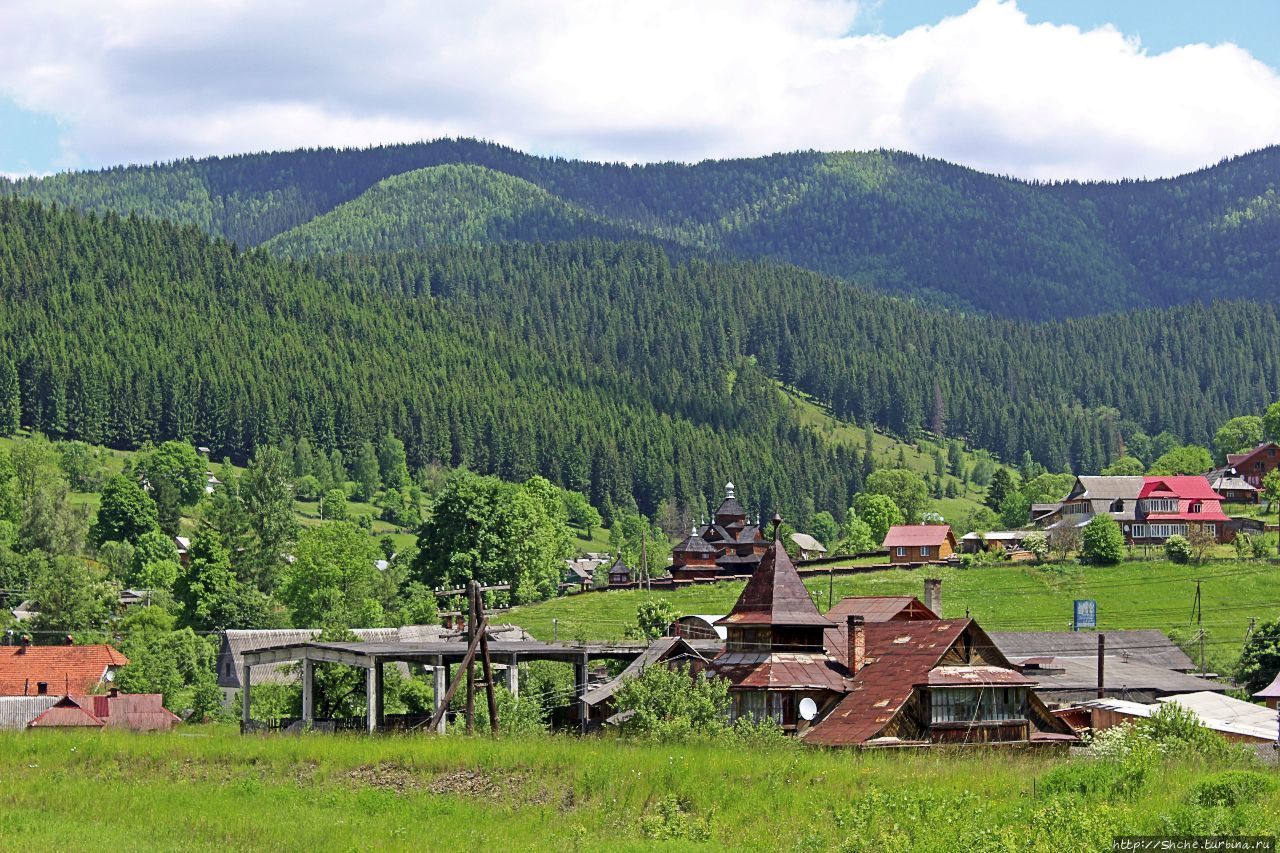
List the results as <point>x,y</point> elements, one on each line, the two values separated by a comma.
<point>1109,778</point>
<point>1038,544</point>
<point>1178,549</point>
<point>672,819</point>
<point>672,704</point>
<point>1102,540</point>
<point>1232,788</point>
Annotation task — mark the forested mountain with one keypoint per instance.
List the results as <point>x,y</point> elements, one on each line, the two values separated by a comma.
<point>893,221</point>
<point>605,366</point>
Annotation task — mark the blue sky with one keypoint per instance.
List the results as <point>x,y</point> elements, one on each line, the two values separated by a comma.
<point>1160,24</point>
<point>1037,88</point>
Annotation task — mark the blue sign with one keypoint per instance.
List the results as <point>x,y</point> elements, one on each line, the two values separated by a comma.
<point>1086,614</point>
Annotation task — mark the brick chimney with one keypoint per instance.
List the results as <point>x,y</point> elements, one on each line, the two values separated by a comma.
<point>933,595</point>
<point>857,643</point>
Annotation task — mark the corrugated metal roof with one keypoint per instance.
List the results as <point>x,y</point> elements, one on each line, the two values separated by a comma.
<point>66,713</point>
<point>1271,691</point>
<point>1108,488</point>
<point>1145,645</point>
<point>1073,674</point>
<point>662,649</point>
<point>17,711</point>
<point>782,671</point>
<point>880,608</point>
<point>965,676</point>
<point>1217,713</point>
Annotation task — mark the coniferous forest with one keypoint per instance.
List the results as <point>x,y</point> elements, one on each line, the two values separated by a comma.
<point>622,369</point>
<point>888,220</point>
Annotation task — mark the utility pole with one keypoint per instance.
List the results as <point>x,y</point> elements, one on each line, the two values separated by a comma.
<point>471,668</point>
<point>831,586</point>
<point>1195,605</point>
<point>1102,650</point>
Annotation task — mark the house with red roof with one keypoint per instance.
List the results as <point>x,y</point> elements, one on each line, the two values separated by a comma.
<point>1253,465</point>
<point>1176,505</point>
<point>841,679</point>
<point>136,712</point>
<point>27,670</point>
<point>919,543</point>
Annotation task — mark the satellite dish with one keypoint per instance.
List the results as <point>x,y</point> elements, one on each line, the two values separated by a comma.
<point>110,676</point>
<point>808,708</point>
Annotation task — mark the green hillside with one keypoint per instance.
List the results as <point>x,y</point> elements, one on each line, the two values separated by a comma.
<point>891,220</point>
<point>1003,597</point>
<point>441,205</point>
<point>609,368</point>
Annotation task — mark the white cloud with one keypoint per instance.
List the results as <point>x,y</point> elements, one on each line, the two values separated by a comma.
<point>643,80</point>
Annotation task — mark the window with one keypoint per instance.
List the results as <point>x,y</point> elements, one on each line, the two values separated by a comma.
<point>1118,506</point>
<point>901,551</point>
<point>1197,507</point>
<point>1160,505</point>
<point>977,704</point>
<point>42,688</point>
<point>1158,531</point>
<point>924,550</point>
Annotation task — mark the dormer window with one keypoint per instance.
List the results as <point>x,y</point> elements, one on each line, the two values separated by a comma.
<point>1118,506</point>
<point>1196,507</point>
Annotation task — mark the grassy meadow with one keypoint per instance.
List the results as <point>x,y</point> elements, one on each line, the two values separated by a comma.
<point>1003,597</point>
<point>208,788</point>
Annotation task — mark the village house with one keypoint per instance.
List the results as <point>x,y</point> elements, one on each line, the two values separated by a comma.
<point>841,680</point>
<point>1254,465</point>
<point>810,548</point>
<point>598,702</point>
<point>1231,487</point>
<point>1271,695</point>
<point>1148,509</point>
<point>135,712</point>
<point>1233,719</point>
<point>28,670</point>
<point>919,543</point>
<point>620,573</point>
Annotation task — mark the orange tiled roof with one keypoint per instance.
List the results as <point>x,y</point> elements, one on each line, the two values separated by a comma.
<point>64,669</point>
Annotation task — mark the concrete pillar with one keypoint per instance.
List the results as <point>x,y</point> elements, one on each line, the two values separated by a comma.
<point>246,687</point>
<point>513,675</point>
<point>441,674</point>
<point>580,685</point>
<point>308,693</point>
<point>373,696</point>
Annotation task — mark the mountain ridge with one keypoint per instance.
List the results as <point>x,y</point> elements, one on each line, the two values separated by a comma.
<point>893,221</point>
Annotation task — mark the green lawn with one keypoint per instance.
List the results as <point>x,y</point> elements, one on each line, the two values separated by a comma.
<point>886,450</point>
<point>211,789</point>
<point>1007,597</point>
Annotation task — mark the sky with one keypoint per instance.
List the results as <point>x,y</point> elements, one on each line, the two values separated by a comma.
<point>1043,89</point>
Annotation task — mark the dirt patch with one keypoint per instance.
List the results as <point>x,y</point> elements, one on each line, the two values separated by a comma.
<point>386,778</point>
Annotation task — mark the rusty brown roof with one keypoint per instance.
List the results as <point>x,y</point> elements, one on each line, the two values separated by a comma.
<point>881,608</point>
<point>899,656</point>
<point>782,671</point>
<point>965,676</point>
<point>775,595</point>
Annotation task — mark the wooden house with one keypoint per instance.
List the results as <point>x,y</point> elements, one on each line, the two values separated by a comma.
<point>1231,487</point>
<point>620,573</point>
<point>27,670</point>
<point>919,543</point>
<point>693,558</point>
<point>931,682</point>
<point>1254,465</point>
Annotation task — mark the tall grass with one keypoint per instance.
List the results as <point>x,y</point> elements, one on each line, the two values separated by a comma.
<point>209,788</point>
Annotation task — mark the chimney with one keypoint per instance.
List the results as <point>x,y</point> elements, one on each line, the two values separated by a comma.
<point>113,692</point>
<point>933,595</point>
<point>857,643</point>
<point>23,644</point>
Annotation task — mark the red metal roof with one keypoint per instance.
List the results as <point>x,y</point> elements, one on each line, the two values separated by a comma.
<point>775,595</point>
<point>1184,487</point>
<point>880,608</point>
<point>912,535</point>
<point>64,669</point>
<point>67,713</point>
